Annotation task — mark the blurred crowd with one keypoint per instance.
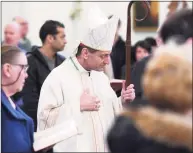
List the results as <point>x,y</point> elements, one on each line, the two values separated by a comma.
<point>158,116</point>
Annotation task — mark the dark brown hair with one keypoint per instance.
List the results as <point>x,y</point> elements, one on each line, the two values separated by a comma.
<point>49,28</point>
<point>81,46</point>
<point>9,54</point>
<point>179,24</point>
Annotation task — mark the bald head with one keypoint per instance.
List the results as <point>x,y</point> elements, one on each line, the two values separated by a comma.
<point>23,23</point>
<point>19,19</point>
<point>12,34</point>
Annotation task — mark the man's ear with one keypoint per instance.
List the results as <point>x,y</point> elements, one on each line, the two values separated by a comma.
<point>85,53</point>
<point>6,70</point>
<point>49,38</point>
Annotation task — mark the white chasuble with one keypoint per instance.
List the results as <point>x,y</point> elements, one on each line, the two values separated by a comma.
<point>60,101</point>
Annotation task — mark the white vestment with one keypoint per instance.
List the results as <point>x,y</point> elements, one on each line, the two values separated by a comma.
<point>60,101</point>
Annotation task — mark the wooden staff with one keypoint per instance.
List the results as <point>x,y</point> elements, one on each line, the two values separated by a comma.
<point>128,39</point>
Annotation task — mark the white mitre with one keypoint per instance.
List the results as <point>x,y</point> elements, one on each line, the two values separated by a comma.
<point>101,31</point>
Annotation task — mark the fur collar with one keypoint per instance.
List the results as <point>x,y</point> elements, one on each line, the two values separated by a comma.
<point>164,127</point>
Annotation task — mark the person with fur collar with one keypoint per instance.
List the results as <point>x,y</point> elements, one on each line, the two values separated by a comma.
<point>165,125</point>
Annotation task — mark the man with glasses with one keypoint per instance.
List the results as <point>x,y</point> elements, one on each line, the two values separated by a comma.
<point>79,90</point>
<point>42,60</point>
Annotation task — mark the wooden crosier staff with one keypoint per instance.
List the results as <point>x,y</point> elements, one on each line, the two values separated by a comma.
<point>128,38</point>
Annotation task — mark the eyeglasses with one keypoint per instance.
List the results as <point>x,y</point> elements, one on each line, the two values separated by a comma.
<point>24,67</point>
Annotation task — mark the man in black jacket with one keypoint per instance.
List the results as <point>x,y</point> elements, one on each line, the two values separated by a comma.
<point>178,27</point>
<point>42,60</point>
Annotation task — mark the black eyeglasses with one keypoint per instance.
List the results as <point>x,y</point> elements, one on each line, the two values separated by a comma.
<point>24,67</point>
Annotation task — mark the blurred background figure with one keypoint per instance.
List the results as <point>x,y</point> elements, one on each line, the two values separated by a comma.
<point>139,51</point>
<point>25,43</point>
<point>179,27</point>
<point>152,42</point>
<point>118,53</point>
<point>165,125</point>
<point>12,34</point>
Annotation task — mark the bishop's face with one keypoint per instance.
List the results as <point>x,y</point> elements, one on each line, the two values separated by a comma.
<point>98,60</point>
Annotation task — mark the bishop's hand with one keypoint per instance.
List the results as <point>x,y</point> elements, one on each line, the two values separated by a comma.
<point>127,94</point>
<point>88,102</point>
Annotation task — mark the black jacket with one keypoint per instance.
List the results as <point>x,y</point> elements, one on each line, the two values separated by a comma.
<point>118,57</point>
<point>136,76</point>
<point>148,130</point>
<point>37,73</point>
